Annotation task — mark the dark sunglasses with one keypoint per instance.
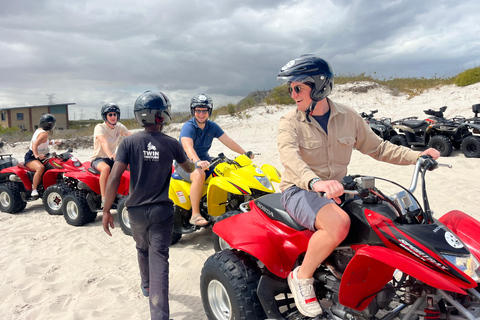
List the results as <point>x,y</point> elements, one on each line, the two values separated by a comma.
<point>297,89</point>
<point>201,111</point>
<point>112,114</point>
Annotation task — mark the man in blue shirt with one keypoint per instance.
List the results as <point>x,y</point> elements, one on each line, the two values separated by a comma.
<point>196,137</point>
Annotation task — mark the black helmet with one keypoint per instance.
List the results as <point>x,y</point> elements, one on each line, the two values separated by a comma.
<point>203,101</point>
<point>110,107</point>
<point>309,69</point>
<point>47,121</point>
<point>152,108</point>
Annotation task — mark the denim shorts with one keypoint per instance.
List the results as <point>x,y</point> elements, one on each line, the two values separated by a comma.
<point>95,162</point>
<point>303,205</point>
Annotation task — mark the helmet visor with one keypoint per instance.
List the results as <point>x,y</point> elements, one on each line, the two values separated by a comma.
<point>295,78</point>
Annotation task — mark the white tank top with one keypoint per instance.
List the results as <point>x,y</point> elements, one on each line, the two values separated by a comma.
<point>41,147</point>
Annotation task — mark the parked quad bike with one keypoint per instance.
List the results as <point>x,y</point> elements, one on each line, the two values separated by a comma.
<point>437,132</point>
<point>16,183</point>
<point>397,261</point>
<point>84,199</point>
<point>232,183</point>
<point>382,127</point>
<point>470,145</point>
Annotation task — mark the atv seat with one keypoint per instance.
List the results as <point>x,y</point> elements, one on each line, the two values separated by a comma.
<point>414,123</point>
<point>23,166</point>
<point>272,206</point>
<point>94,171</point>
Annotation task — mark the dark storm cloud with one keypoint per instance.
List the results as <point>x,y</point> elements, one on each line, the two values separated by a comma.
<point>92,51</point>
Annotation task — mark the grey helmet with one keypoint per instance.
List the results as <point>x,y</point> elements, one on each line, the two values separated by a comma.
<point>203,101</point>
<point>47,121</point>
<point>152,108</point>
<point>310,70</point>
<point>110,107</point>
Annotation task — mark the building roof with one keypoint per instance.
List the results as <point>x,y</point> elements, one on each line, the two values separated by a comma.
<point>45,105</point>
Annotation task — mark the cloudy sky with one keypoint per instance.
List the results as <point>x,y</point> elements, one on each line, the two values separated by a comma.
<point>93,51</point>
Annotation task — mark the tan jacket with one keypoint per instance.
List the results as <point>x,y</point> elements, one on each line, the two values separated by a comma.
<point>307,152</point>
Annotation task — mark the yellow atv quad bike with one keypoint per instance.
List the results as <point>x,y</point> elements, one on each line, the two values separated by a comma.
<point>232,183</point>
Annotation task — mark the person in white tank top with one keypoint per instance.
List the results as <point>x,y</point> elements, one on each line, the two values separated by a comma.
<point>106,138</point>
<point>38,148</point>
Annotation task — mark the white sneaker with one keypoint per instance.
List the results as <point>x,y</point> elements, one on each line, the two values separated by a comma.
<point>304,295</point>
<point>34,193</point>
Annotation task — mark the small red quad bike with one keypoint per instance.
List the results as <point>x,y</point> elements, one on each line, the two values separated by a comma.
<point>16,183</point>
<point>84,200</point>
<point>397,262</point>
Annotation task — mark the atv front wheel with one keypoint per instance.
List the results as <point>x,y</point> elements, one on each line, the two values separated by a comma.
<point>53,198</point>
<point>471,147</point>
<point>399,140</point>
<point>76,210</point>
<point>218,243</point>
<point>11,198</point>
<point>123,217</point>
<point>442,144</point>
<point>228,285</point>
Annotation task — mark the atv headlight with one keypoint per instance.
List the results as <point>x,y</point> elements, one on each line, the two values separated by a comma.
<point>468,264</point>
<point>264,181</point>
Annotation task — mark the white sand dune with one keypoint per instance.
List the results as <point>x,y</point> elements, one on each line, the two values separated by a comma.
<point>51,270</point>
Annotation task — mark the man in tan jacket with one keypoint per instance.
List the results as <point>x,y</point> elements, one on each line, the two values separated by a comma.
<point>315,142</point>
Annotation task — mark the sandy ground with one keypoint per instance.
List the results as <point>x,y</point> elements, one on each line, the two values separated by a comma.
<point>51,270</point>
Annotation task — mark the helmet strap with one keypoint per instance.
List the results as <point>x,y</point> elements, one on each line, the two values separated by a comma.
<point>310,109</point>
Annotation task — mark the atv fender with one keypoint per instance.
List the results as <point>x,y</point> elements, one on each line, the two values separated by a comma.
<point>218,190</point>
<point>20,173</point>
<point>87,178</point>
<point>273,243</point>
<point>372,267</point>
<point>465,227</point>
<point>470,125</point>
<point>271,172</point>
<point>179,193</point>
<point>50,177</point>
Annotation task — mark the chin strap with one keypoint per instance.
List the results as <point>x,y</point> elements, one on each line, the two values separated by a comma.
<point>310,109</point>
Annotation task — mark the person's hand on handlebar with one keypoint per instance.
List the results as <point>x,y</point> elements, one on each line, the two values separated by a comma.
<point>250,154</point>
<point>432,152</point>
<point>202,164</point>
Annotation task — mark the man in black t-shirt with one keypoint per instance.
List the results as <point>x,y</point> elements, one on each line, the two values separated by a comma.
<point>150,154</point>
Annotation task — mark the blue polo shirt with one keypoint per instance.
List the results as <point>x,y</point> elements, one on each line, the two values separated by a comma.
<point>202,139</point>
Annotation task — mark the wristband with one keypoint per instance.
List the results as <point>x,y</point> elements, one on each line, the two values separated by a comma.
<point>196,166</point>
<point>312,182</point>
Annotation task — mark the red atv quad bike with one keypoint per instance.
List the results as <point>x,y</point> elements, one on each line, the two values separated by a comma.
<point>397,262</point>
<point>16,183</point>
<point>84,200</point>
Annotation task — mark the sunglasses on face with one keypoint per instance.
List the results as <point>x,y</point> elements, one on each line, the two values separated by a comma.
<point>201,111</point>
<point>112,114</point>
<point>297,89</point>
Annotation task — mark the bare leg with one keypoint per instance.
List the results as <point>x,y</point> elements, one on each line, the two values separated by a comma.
<point>39,169</point>
<point>332,225</point>
<point>198,180</point>
<point>104,173</point>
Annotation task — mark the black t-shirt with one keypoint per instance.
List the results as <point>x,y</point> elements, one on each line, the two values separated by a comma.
<point>150,156</point>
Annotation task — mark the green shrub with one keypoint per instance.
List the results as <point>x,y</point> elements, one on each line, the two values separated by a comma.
<point>279,95</point>
<point>231,109</point>
<point>468,77</point>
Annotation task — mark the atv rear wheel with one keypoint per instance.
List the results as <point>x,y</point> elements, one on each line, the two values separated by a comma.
<point>76,210</point>
<point>53,198</point>
<point>442,144</point>
<point>399,140</point>
<point>471,147</point>
<point>218,243</point>
<point>228,285</point>
<point>123,218</point>
<point>11,198</point>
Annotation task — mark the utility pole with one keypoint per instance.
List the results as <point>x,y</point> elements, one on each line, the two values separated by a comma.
<point>51,98</point>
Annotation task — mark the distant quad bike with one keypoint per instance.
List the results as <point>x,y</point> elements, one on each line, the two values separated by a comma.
<point>382,127</point>
<point>83,201</point>
<point>434,132</point>
<point>16,183</point>
<point>470,145</point>
<point>232,183</point>
<point>397,261</point>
